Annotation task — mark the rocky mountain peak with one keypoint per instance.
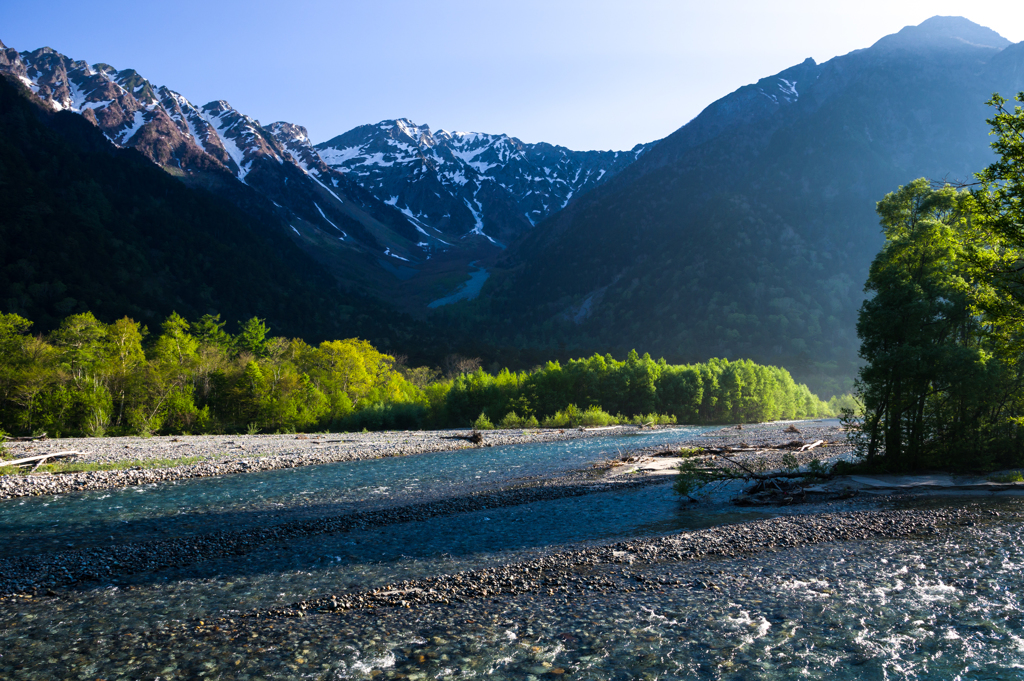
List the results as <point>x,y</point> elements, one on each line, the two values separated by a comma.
<point>943,33</point>
<point>467,184</point>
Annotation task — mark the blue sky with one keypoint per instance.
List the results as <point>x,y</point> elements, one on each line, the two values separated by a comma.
<point>583,74</point>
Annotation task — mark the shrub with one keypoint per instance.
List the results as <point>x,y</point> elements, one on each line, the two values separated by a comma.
<point>654,419</point>
<point>483,423</point>
<point>596,416</point>
<point>513,420</point>
<point>570,417</point>
<point>1013,476</point>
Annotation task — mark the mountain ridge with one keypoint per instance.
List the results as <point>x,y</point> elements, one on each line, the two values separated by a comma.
<point>748,231</point>
<point>410,245</point>
<point>405,164</point>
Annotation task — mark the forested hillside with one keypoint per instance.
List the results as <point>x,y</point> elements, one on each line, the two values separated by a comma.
<point>87,226</point>
<point>748,232</point>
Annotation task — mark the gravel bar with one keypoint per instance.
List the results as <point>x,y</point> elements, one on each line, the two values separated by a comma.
<point>230,454</point>
<point>206,456</point>
<point>579,572</point>
<point>32,573</point>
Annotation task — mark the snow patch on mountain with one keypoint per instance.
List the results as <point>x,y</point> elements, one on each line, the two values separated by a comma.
<point>463,183</point>
<point>138,120</point>
<point>328,219</point>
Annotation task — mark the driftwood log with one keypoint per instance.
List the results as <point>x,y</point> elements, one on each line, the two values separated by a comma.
<point>28,438</point>
<point>476,437</point>
<point>38,459</point>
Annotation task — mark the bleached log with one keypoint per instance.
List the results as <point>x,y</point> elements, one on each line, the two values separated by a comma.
<point>807,448</point>
<point>39,457</point>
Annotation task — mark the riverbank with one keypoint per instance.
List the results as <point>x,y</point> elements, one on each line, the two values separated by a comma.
<point>153,460</point>
<point>535,573</point>
<point>130,461</point>
<point>574,573</point>
<point>42,572</point>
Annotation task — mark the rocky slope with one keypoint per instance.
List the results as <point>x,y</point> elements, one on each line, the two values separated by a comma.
<point>328,214</point>
<point>468,183</point>
<point>374,204</point>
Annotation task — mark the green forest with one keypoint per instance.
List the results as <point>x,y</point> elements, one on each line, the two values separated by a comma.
<point>90,378</point>
<point>942,333</point>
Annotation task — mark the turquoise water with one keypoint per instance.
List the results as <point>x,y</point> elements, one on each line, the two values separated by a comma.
<point>41,524</point>
<point>923,609</point>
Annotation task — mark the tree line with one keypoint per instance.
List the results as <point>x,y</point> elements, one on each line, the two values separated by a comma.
<point>943,331</point>
<point>93,378</point>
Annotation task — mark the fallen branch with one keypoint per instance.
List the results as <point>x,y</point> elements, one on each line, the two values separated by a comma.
<point>40,458</point>
<point>704,476</point>
<point>589,430</point>
<point>476,437</point>
<point>807,448</point>
<point>27,438</point>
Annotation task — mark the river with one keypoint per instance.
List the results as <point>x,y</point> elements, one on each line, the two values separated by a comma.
<point>924,608</point>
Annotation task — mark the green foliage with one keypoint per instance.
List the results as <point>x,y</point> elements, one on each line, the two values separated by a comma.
<point>848,403</point>
<point>639,388</point>
<point>1012,476</point>
<point>816,467</point>
<point>942,334</point>
<point>252,338</point>
<point>570,417</point>
<point>483,423</point>
<point>789,462</point>
<point>91,378</point>
<point>385,416</point>
<point>514,420</point>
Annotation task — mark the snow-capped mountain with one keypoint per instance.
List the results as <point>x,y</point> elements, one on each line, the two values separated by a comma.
<point>131,112</point>
<point>278,161</point>
<point>375,204</point>
<point>465,182</point>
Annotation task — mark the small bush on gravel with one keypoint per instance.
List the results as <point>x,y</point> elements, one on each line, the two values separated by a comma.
<point>483,423</point>
<point>514,420</point>
<point>570,417</point>
<point>654,419</point>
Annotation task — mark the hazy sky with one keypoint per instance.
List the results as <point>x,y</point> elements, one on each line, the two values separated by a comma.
<point>586,74</point>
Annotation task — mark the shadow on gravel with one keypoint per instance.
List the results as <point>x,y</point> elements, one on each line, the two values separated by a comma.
<point>457,528</point>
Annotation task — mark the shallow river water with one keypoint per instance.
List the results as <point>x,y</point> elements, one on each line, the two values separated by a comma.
<point>933,608</point>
